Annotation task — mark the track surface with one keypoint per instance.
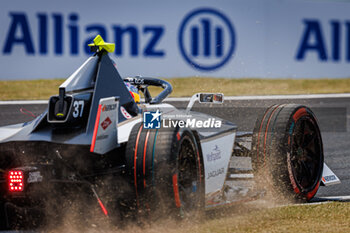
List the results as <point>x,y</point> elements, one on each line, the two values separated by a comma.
<point>333,113</point>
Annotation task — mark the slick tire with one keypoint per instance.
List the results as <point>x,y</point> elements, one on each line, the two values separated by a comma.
<point>287,151</point>
<point>165,168</point>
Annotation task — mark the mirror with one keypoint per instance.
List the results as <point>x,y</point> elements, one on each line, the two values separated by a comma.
<point>216,98</point>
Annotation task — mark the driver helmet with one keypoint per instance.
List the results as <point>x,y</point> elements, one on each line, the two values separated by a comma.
<point>133,92</point>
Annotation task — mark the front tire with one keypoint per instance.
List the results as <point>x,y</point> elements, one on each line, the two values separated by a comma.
<point>287,148</point>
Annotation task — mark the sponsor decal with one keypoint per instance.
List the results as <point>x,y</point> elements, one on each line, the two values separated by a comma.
<point>52,26</point>
<point>109,107</point>
<point>326,47</point>
<point>35,177</point>
<point>206,39</point>
<point>125,113</point>
<point>106,123</point>
<point>101,137</point>
<point>138,81</point>
<point>216,173</point>
<point>151,120</point>
<point>329,178</point>
<point>215,154</point>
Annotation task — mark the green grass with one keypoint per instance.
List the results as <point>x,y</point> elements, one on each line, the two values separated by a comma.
<point>332,217</point>
<point>329,217</point>
<point>29,90</point>
<point>43,89</point>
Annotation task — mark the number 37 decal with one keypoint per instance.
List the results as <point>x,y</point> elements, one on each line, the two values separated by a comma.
<point>78,108</point>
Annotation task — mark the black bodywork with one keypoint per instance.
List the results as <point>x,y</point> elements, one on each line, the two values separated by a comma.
<point>59,147</point>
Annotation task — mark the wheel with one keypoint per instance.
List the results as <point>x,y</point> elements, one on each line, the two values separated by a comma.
<point>287,149</point>
<point>165,167</point>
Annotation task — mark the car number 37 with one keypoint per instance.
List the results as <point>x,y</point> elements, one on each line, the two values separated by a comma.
<point>78,108</point>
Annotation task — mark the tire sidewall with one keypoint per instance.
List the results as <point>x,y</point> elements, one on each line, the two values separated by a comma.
<point>306,114</point>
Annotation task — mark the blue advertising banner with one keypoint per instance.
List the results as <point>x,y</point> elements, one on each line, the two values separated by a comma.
<point>223,38</point>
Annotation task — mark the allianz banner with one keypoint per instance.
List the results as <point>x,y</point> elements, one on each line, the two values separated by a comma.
<point>160,38</point>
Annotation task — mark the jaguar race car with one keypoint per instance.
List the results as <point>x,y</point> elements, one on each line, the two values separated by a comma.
<point>102,149</point>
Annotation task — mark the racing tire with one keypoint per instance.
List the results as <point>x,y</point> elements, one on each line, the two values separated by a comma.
<point>287,151</point>
<point>165,166</point>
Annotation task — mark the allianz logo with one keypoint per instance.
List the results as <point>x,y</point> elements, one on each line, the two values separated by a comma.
<point>52,29</point>
<point>206,39</point>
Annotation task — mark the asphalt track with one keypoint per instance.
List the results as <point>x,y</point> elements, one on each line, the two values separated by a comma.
<point>332,111</point>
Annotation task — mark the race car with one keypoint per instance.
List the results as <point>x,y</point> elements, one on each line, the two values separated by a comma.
<point>101,146</point>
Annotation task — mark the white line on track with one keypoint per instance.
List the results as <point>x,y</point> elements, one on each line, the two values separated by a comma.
<point>336,198</point>
<point>20,102</point>
<point>274,97</point>
<point>324,200</point>
<point>259,97</point>
<point>310,203</point>
<point>320,201</point>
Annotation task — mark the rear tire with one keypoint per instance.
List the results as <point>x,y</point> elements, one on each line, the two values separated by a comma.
<point>287,150</point>
<point>166,170</point>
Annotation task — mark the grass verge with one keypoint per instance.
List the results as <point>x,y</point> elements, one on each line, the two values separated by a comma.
<point>29,90</point>
<point>326,217</point>
<point>330,217</point>
<point>43,89</point>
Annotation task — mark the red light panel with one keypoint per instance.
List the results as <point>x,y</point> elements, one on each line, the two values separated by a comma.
<point>16,181</point>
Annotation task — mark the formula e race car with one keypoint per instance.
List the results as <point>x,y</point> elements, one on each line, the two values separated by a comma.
<point>99,146</point>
